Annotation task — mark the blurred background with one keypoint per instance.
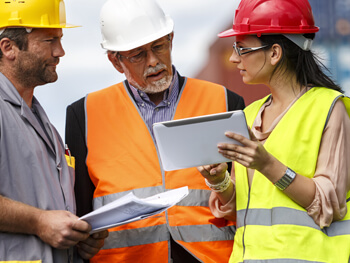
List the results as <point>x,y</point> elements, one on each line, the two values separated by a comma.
<point>197,51</point>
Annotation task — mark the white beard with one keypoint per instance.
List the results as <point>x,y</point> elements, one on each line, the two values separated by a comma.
<point>157,86</point>
<point>154,87</point>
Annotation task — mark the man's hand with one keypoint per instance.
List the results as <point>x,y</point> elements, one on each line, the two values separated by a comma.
<point>89,247</point>
<point>61,229</point>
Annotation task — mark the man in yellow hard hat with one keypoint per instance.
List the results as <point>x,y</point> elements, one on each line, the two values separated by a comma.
<point>37,204</point>
<point>110,132</point>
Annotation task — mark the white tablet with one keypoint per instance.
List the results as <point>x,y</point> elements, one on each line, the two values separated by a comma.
<point>192,142</point>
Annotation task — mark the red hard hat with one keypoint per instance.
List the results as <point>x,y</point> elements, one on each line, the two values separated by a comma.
<point>256,17</point>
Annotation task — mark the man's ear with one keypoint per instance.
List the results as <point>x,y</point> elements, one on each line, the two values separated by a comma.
<point>8,48</point>
<point>276,54</point>
<point>115,61</point>
<point>171,39</point>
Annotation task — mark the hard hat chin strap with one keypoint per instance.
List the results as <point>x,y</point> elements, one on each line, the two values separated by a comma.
<point>303,42</point>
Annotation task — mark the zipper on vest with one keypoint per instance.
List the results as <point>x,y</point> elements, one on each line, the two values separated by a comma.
<point>245,223</point>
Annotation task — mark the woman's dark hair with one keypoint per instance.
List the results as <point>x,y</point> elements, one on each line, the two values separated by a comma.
<point>305,64</point>
<point>18,35</point>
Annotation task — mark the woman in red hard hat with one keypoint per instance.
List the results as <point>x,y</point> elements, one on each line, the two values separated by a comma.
<point>289,188</point>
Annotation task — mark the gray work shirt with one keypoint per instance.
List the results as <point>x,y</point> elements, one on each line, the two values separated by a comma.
<point>33,170</point>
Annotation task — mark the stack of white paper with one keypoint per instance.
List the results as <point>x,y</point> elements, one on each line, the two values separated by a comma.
<point>130,208</point>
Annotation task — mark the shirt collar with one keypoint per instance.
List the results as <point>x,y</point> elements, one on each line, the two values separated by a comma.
<point>8,92</point>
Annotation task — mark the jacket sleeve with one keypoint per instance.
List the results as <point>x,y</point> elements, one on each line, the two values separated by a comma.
<point>234,101</point>
<point>75,138</point>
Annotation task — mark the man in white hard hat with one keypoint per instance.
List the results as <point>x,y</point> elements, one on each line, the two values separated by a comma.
<point>110,133</point>
<point>37,206</point>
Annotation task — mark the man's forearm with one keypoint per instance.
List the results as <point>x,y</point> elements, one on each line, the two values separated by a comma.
<point>17,217</point>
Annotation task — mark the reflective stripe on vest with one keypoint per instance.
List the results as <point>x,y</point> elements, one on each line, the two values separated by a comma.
<point>116,141</point>
<point>270,226</point>
<point>288,216</point>
<point>125,238</point>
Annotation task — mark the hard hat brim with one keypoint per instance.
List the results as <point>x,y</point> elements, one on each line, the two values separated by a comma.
<point>53,26</point>
<point>227,33</point>
<point>231,32</point>
<point>36,26</point>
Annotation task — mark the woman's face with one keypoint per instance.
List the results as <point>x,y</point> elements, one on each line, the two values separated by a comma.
<point>255,66</point>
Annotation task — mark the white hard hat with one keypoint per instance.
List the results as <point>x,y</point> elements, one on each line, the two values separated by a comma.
<point>128,24</point>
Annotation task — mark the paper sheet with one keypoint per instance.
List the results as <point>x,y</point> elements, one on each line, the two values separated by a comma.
<point>130,208</point>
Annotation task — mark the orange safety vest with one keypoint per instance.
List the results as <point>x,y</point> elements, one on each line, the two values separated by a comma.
<point>122,157</point>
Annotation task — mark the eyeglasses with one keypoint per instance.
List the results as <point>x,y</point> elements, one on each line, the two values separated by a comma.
<point>139,56</point>
<point>245,50</point>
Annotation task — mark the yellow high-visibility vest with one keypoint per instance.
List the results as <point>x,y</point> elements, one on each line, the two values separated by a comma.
<point>271,226</point>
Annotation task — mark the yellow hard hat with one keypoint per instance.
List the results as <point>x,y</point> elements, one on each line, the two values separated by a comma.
<point>33,13</point>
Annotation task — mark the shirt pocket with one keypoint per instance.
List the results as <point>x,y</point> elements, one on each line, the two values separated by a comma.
<point>70,161</point>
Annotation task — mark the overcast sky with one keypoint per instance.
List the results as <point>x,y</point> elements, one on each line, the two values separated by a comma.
<point>86,68</point>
